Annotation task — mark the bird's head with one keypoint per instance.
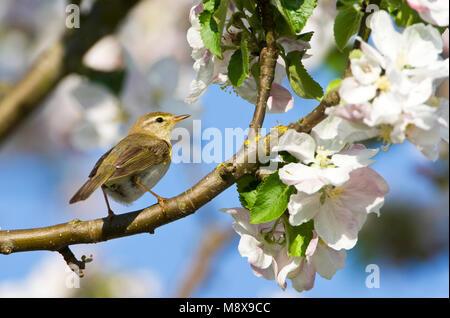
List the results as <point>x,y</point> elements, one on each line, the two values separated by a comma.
<point>158,124</point>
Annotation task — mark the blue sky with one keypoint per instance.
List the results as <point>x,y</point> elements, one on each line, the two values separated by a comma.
<point>38,201</point>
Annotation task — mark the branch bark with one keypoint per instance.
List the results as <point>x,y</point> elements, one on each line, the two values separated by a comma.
<point>268,60</point>
<point>60,59</point>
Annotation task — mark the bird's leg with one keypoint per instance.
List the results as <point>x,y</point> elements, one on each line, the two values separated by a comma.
<point>110,212</point>
<point>160,199</point>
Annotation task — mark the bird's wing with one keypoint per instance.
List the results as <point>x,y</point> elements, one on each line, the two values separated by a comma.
<point>139,153</point>
<point>98,163</point>
<point>137,157</point>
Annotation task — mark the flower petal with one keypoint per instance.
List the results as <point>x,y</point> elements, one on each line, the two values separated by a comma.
<point>302,146</point>
<point>303,207</point>
<point>280,100</point>
<point>328,261</point>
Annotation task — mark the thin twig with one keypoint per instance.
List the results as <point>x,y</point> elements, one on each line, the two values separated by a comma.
<point>74,264</point>
<point>268,60</point>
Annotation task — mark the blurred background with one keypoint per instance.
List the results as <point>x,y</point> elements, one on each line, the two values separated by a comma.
<point>144,66</point>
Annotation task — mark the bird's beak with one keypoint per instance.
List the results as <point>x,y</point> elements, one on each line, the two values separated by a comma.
<point>181,117</point>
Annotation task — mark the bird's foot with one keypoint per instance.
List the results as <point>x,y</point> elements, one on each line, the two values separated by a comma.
<point>162,204</point>
<point>110,215</point>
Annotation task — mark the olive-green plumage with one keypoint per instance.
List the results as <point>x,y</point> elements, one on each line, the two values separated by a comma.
<point>136,163</point>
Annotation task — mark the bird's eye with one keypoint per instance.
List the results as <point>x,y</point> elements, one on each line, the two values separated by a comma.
<point>159,119</point>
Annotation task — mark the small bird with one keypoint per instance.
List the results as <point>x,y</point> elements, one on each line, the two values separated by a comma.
<point>135,164</point>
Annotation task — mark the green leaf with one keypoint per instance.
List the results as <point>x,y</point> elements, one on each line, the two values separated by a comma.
<point>299,238</point>
<point>272,198</point>
<point>238,68</point>
<point>250,5</point>
<point>210,5</point>
<point>301,82</point>
<point>282,27</point>
<point>346,24</point>
<point>212,23</point>
<point>341,4</point>
<point>296,12</point>
<point>338,60</point>
<point>247,189</point>
<point>406,16</point>
<point>256,71</point>
<point>305,36</point>
<point>334,85</point>
<point>287,157</point>
<point>210,33</point>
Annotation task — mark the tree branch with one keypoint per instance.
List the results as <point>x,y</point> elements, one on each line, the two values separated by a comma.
<point>268,61</point>
<point>62,58</point>
<point>75,265</point>
<point>58,237</point>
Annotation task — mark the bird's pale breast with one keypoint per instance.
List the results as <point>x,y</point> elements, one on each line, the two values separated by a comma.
<point>125,190</point>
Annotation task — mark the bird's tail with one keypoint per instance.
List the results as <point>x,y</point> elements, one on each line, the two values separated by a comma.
<point>89,187</point>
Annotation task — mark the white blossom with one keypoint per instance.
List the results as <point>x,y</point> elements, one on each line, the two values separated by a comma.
<point>432,11</point>
<point>265,247</point>
<point>391,85</point>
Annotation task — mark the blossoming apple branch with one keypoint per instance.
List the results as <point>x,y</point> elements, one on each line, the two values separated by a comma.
<point>301,218</point>
<point>59,237</point>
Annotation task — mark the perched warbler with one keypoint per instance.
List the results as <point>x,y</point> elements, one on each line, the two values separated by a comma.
<point>135,164</point>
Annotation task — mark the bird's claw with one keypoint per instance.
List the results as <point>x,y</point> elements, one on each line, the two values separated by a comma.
<point>110,215</point>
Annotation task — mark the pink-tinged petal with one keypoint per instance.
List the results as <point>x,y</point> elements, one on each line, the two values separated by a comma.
<point>422,116</point>
<point>303,278</point>
<point>302,146</point>
<point>194,38</point>
<point>250,247</point>
<point>293,45</point>
<point>267,273</point>
<point>248,90</point>
<point>285,266</point>
<point>280,99</point>
<point>304,178</point>
<point>443,118</point>
<point>445,36</point>
<point>341,218</point>
<point>426,141</point>
<point>338,226</point>
<point>386,110</point>
<point>328,261</point>
<point>351,112</point>
<point>432,11</point>
<point>364,188</point>
<point>240,215</point>
<point>365,70</point>
<point>280,71</point>
<point>334,133</point>
<point>205,74</point>
<point>354,156</point>
<point>387,40</point>
<point>312,246</point>
<point>423,44</point>
<point>372,53</point>
<point>352,92</point>
<point>335,176</point>
<point>303,207</point>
